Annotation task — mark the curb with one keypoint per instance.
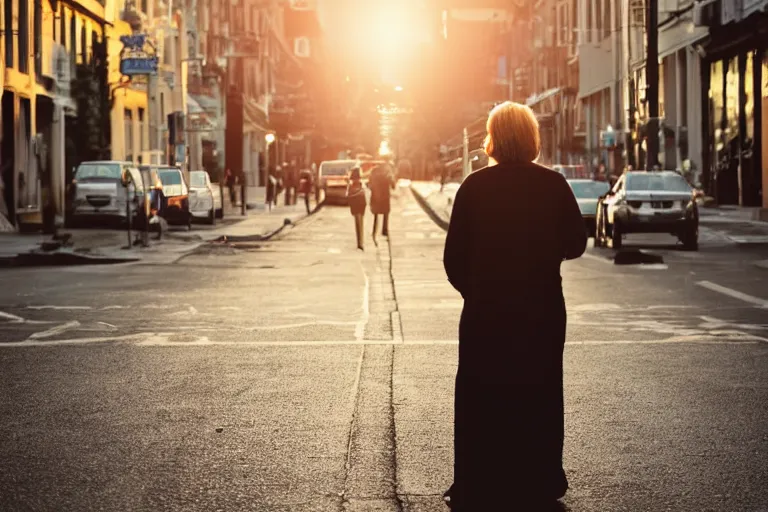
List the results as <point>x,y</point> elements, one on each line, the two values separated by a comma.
<point>33,259</point>
<point>428,209</point>
<point>261,237</point>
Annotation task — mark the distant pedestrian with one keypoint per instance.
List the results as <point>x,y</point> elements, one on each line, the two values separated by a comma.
<point>230,182</point>
<point>271,187</point>
<point>380,183</point>
<point>357,203</point>
<point>509,428</point>
<point>305,187</point>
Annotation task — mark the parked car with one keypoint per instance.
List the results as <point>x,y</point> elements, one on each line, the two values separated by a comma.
<point>175,208</point>
<point>203,201</point>
<point>573,172</point>
<point>332,179</point>
<point>588,193</point>
<point>97,192</point>
<point>649,202</point>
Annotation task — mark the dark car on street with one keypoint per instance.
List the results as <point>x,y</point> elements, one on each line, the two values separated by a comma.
<point>588,194</point>
<point>649,202</point>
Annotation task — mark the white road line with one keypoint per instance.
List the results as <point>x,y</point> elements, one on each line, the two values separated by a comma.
<point>757,301</point>
<point>366,314</point>
<point>163,340</point>
<point>60,308</point>
<point>53,331</point>
<point>11,318</point>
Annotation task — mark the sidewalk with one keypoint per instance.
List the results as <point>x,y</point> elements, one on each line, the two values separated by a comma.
<point>109,246</point>
<point>436,203</point>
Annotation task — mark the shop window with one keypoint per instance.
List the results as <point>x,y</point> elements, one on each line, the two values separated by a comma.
<point>63,27</point>
<point>749,95</point>
<point>37,35</point>
<point>717,104</point>
<point>83,44</point>
<point>607,18</point>
<point>23,36</point>
<point>128,129</point>
<point>8,18</point>
<point>732,100</point>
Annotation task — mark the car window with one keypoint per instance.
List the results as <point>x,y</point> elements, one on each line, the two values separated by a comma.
<point>169,177</point>
<point>658,182</point>
<point>197,179</point>
<point>99,171</point>
<point>589,189</point>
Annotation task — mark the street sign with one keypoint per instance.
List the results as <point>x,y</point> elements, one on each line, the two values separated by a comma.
<point>138,56</point>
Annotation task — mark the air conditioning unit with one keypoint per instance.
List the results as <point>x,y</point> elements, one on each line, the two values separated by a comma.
<point>301,47</point>
<point>706,13</point>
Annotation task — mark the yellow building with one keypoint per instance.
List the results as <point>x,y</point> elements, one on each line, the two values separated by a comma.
<point>43,41</point>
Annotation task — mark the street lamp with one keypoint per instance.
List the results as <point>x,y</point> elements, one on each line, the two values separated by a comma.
<point>269,138</point>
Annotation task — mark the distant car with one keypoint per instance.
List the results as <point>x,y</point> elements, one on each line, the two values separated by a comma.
<point>175,208</point>
<point>332,179</point>
<point>588,193</point>
<point>573,172</point>
<point>97,192</point>
<point>204,202</point>
<point>649,202</point>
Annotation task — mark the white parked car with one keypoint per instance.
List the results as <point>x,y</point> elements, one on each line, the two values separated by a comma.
<point>204,202</point>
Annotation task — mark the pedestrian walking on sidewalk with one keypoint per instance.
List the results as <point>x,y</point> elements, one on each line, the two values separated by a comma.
<point>381,182</point>
<point>230,182</point>
<point>508,426</point>
<point>305,187</point>
<point>357,203</point>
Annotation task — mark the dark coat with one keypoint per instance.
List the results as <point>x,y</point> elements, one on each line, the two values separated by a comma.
<point>511,227</point>
<point>380,183</point>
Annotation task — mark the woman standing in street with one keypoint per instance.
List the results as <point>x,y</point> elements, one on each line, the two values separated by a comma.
<point>509,429</point>
<point>380,184</point>
<point>357,203</point>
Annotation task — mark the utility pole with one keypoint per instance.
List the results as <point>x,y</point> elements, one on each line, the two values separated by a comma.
<point>652,80</point>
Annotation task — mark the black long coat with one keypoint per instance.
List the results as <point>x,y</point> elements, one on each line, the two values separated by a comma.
<point>511,227</point>
<point>380,183</point>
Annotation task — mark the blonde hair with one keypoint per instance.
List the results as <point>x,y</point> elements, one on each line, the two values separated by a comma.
<point>513,134</point>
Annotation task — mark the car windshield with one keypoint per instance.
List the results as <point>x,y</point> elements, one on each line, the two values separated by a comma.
<point>197,179</point>
<point>660,182</point>
<point>98,171</point>
<point>170,177</point>
<point>336,169</point>
<point>588,189</point>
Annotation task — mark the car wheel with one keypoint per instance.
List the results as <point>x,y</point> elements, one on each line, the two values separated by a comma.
<point>212,217</point>
<point>690,238</point>
<point>616,234</point>
<point>219,213</point>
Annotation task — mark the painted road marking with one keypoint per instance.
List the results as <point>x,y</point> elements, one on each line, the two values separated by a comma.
<point>757,301</point>
<point>55,331</point>
<point>166,340</point>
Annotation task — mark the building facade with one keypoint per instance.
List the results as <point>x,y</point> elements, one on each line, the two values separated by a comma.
<point>54,69</point>
<point>734,88</point>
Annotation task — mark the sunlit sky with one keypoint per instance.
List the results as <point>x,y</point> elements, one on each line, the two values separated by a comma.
<point>375,35</point>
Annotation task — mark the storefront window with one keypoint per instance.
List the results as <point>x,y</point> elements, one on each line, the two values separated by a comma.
<point>749,93</point>
<point>732,100</point>
<point>716,104</point>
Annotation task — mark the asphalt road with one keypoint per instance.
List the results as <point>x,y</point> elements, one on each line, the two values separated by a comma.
<point>302,375</point>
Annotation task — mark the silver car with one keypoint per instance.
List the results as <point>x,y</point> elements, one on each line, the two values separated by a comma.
<point>97,192</point>
<point>649,202</point>
<point>204,201</point>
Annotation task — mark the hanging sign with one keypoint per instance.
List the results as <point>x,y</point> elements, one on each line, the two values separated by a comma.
<point>138,56</point>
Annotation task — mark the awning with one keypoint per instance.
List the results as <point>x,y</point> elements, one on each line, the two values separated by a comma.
<point>679,36</point>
